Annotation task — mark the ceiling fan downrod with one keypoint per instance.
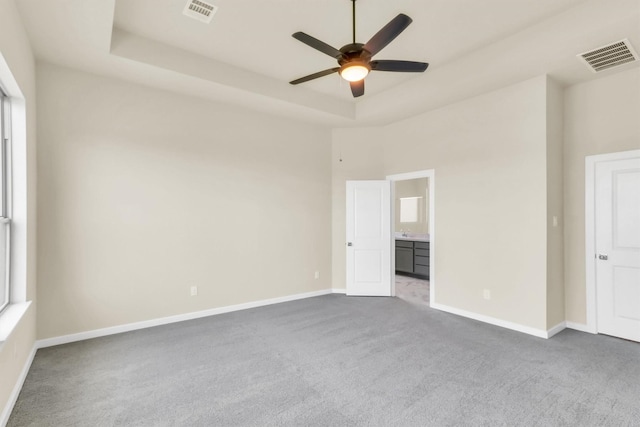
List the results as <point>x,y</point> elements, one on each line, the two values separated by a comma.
<point>353,14</point>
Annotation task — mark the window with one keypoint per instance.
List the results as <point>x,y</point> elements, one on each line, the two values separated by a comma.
<point>409,209</point>
<point>13,204</point>
<point>5,212</point>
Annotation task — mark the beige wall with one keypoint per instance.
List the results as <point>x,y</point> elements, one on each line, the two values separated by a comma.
<point>601,117</point>
<point>489,157</point>
<point>412,188</point>
<point>555,243</point>
<point>144,193</point>
<point>15,48</point>
<point>357,154</point>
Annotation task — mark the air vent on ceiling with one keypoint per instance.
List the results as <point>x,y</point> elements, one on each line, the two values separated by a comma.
<point>200,10</point>
<point>609,56</point>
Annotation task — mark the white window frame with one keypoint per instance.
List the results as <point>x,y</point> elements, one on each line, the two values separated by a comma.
<point>5,191</point>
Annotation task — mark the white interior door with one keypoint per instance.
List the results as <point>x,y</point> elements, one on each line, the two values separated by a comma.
<point>369,238</point>
<point>617,210</point>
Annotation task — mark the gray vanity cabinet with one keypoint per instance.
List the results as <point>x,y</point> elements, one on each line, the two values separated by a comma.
<point>413,258</point>
<point>404,256</point>
<point>421,259</point>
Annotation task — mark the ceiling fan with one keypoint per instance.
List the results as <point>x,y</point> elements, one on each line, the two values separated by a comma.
<point>355,59</point>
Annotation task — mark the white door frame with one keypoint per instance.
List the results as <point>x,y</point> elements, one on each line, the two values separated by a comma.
<point>590,229</point>
<point>431,185</point>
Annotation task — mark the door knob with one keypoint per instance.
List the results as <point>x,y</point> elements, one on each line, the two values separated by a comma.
<point>603,257</point>
<point>349,244</point>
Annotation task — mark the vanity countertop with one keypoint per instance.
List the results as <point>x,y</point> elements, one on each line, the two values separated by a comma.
<point>413,238</point>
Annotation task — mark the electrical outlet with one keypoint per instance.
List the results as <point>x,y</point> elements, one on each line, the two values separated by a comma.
<point>555,221</point>
<point>194,291</point>
<point>486,294</point>
<point>317,275</point>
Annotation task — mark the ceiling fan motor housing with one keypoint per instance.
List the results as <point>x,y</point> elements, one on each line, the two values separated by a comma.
<point>354,51</point>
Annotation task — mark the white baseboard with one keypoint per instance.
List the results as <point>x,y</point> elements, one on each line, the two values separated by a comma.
<point>558,328</point>
<point>13,397</point>
<point>339,291</point>
<point>48,342</point>
<point>540,333</point>
<point>580,327</point>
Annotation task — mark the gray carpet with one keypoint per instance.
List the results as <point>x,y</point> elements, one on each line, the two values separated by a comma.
<point>334,361</point>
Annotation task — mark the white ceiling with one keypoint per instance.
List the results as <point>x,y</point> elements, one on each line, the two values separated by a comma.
<point>246,56</point>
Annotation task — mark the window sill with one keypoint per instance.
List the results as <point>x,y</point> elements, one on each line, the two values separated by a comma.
<point>9,320</point>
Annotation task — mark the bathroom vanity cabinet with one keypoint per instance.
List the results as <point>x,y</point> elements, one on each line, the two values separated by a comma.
<point>412,258</point>
<point>404,256</point>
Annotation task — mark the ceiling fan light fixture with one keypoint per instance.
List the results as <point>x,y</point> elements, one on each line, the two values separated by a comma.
<point>354,71</point>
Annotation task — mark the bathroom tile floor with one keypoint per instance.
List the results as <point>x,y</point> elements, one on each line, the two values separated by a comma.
<point>412,290</point>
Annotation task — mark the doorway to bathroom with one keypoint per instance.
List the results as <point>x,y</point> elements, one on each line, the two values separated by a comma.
<point>412,239</point>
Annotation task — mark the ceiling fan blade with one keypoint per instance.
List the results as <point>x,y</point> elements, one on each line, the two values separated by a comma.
<point>387,33</point>
<point>317,44</point>
<point>314,76</point>
<point>402,66</point>
<point>357,88</point>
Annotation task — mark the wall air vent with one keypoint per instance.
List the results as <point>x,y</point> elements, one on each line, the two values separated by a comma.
<point>200,10</point>
<point>609,56</point>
